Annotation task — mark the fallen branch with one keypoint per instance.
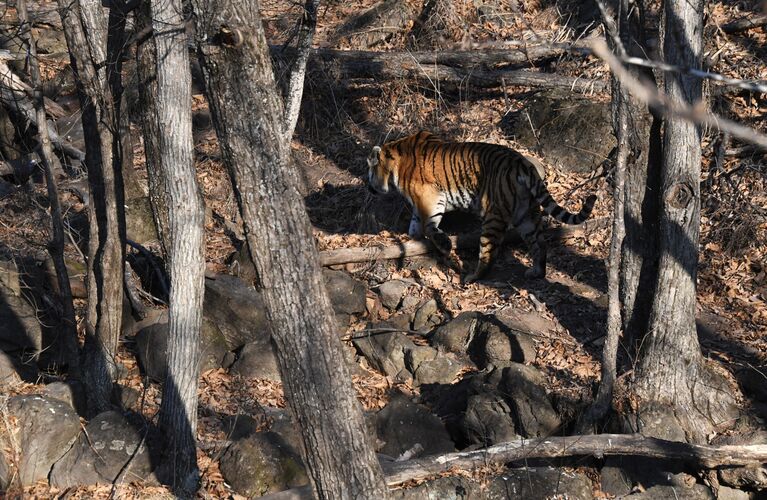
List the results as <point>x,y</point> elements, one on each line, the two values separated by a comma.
<point>14,94</point>
<point>415,248</point>
<point>597,445</point>
<point>487,69</point>
<point>746,23</point>
<point>651,96</point>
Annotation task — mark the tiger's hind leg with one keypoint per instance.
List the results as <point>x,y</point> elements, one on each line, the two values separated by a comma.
<point>493,229</point>
<point>530,229</point>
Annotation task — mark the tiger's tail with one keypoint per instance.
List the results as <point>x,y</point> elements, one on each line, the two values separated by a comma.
<point>541,194</point>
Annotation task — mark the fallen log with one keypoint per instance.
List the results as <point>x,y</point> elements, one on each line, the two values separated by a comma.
<point>597,445</point>
<point>414,248</point>
<point>746,23</point>
<point>486,69</point>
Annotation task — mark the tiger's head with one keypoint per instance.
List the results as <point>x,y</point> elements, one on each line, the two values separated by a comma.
<point>381,166</point>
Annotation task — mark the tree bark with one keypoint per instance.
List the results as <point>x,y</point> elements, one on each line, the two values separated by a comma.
<point>672,379</point>
<point>247,114</point>
<point>95,56</point>
<point>146,71</point>
<point>167,121</point>
<point>68,339</point>
<point>295,89</point>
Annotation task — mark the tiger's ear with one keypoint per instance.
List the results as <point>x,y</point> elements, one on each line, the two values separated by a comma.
<point>373,158</point>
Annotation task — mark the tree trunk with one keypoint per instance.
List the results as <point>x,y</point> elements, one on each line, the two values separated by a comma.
<point>247,114</point>
<point>680,396</point>
<point>68,340</point>
<point>146,71</point>
<point>639,251</point>
<point>95,56</point>
<point>178,205</point>
<point>295,89</point>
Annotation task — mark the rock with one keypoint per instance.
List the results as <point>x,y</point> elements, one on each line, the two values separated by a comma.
<point>391,293</point>
<point>726,493</point>
<point>615,480</point>
<point>5,473</point>
<point>12,368</point>
<point>255,362</point>
<point>237,310</point>
<point>152,344</point>
<point>262,463</point>
<point>19,325</point>
<point>496,343</point>
<point>667,492</point>
<point>440,370</point>
<point>128,397</point>
<point>523,387</point>
<point>386,352</point>
<point>531,483</point>
<point>101,452</point>
<point>346,293</point>
<point>574,133</point>
<point>417,355</point>
<point>488,420</point>
<point>456,335</point>
<point>410,302</point>
<point>402,424</point>
<point>47,429</point>
<point>424,314</point>
<point>71,392</point>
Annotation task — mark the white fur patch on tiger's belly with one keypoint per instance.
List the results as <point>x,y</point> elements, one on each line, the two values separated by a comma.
<point>461,200</point>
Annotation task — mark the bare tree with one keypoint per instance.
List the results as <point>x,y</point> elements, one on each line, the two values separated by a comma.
<point>179,211</point>
<point>681,396</point>
<point>295,90</point>
<point>56,246</point>
<point>248,116</point>
<point>95,39</point>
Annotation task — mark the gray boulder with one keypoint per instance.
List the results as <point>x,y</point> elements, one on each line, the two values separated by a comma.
<point>425,316</point>
<point>530,483</point>
<point>71,392</point>
<point>524,388</point>
<point>254,361</point>
<point>386,352</point>
<point>237,310</point>
<point>440,370</point>
<point>456,335</point>
<point>488,420</point>
<point>346,293</point>
<point>486,339</point>
<point>402,424</point>
<point>262,463</point>
<point>47,429</point>
<point>152,346</point>
<point>101,452</point>
<point>391,293</point>
<point>574,133</point>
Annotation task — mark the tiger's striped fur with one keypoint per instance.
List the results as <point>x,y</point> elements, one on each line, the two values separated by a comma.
<point>498,183</point>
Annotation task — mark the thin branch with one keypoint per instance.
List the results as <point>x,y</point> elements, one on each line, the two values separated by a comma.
<point>663,104</point>
<point>56,245</point>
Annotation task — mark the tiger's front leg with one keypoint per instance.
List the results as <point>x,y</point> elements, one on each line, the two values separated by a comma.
<point>415,230</point>
<point>430,211</point>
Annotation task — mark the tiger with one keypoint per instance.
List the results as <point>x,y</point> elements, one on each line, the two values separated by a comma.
<point>498,183</point>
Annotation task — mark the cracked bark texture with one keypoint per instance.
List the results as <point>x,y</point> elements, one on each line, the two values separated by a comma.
<point>95,37</point>
<point>681,396</point>
<point>248,117</point>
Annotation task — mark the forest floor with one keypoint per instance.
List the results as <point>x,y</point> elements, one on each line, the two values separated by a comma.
<point>338,126</point>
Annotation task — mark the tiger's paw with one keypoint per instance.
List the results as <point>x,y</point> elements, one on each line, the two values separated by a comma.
<point>442,242</point>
